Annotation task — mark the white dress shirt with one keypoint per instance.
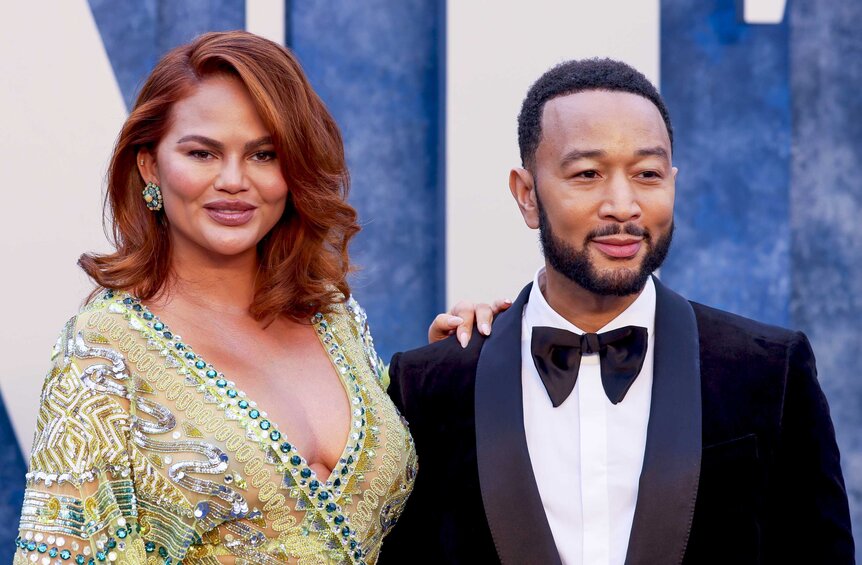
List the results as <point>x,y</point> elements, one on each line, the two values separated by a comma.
<point>587,453</point>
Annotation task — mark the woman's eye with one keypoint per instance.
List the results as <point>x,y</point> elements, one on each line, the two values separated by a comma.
<point>200,154</point>
<point>264,156</point>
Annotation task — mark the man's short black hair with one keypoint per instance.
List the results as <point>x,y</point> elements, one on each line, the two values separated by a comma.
<point>577,76</point>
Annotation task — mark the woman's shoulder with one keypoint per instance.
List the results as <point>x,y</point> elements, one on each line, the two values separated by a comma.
<point>349,322</point>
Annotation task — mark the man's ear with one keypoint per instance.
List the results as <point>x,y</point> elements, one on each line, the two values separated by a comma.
<point>147,166</point>
<point>523,189</point>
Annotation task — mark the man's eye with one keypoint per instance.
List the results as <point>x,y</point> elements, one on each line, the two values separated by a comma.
<point>650,175</point>
<point>264,156</point>
<point>588,174</point>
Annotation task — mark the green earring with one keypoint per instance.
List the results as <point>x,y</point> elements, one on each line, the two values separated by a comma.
<point>153,196</point>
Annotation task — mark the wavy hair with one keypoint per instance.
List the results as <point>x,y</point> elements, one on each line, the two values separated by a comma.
<point>303,261</point>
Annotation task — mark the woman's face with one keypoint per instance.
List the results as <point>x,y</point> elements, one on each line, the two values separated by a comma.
<point>220,178</point>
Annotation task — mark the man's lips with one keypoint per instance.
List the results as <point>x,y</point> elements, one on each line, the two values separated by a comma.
<point>618,247</point>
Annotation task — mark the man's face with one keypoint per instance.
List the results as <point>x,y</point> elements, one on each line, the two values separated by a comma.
<point>602,190</point>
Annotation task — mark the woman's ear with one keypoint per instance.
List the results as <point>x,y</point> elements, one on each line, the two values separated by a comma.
<point>147,166</point>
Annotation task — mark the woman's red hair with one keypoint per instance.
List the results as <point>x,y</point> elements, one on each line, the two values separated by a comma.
<point>303,259</point>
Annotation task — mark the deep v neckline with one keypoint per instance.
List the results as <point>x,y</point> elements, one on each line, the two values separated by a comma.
<point>237,406</point>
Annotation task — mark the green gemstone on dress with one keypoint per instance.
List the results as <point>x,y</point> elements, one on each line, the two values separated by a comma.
<point>232,393</point>
<point>158,326</point>
<point>65,554</point>
<point>101,556</point>
<point>150,547</point>
<point>344,470</point>
<point>112,543</point>
<point>323,495</point>
<point>285,447</point>
<point>211,374</point>
<point>264,424</point>
<point>253,414</point>
<point>42,548</point>
<point>31,546</point>
<point>122,533</point>
<point>53,552</point>
<point>221,383</point>
<point>275,435</point>
<point>148,316</point>
<point>179,346</point>
<point>314,485</point>
<point>337,482</point>
<point>349,459</point>
<point>338,520</point>
<point>200,364</point>
<point>137,307</point>
<point>163,551</point>
<point>127,300</point>
<point>305,473</point>
<point>242,404</point>
<point>168,335</point>
<point>330,507</point>
<point>295,460</point>
<point>345,531</point>
<point>79,559</point>
<point>190,355</point>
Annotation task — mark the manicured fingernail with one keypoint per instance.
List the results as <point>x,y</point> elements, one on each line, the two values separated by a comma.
<point>507,301</point>
<point>485,329</point>
<point>464,339</point>
<point>455,321</point>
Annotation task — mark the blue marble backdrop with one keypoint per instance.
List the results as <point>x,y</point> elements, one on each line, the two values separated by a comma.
<point>826,207</point>
<point>136,33</point>
<point>377,64</point>
<point>768,139</point>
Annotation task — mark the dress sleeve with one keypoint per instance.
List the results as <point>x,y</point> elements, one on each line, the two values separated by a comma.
<point>79,504</point>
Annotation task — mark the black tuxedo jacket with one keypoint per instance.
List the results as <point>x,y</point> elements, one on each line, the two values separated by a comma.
<point>740,464</point>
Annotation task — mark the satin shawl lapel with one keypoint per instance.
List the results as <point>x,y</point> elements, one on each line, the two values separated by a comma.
<point>671,468</point>
<point>512,503</point>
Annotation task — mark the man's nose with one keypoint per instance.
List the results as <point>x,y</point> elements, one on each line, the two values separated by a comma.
<point>620,202</point>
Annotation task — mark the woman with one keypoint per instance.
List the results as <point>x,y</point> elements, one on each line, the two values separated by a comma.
<point>227,189</point>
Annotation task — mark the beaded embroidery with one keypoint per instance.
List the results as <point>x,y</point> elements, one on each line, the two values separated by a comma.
<point>145,453</point>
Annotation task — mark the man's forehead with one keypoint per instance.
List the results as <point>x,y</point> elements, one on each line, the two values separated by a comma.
<point>600,112</point>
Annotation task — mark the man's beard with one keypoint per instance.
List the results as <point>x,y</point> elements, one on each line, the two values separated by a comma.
<point>577,266</point>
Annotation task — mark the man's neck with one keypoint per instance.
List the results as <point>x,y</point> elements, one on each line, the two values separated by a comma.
<point>586,310</point>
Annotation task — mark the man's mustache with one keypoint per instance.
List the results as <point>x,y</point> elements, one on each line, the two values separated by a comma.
<point>628,228</point>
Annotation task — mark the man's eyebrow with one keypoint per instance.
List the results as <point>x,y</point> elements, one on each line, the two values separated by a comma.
<point>652,152</point>
<point>576,154</point>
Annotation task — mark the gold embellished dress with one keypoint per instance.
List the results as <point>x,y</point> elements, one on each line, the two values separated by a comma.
<point>146,453</point>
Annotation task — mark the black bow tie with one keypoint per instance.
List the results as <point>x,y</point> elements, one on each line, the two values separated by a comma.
<point>557,355</point>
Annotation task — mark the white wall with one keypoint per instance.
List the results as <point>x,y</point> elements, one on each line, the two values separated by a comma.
<point>495,51</point>
<point>61,111</point>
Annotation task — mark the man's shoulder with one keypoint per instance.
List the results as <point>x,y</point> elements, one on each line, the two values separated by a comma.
<point>444,355</point>
<point>713,320</point>
<point>729,340</point>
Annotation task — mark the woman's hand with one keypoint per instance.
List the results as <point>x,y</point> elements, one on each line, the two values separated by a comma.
<point>461,318</point>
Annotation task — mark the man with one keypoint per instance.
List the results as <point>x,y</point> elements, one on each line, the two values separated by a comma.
<point>607,419</point>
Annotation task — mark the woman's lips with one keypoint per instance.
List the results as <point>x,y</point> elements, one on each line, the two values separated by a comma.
<point>619,249</point>
<point>228,217</point>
